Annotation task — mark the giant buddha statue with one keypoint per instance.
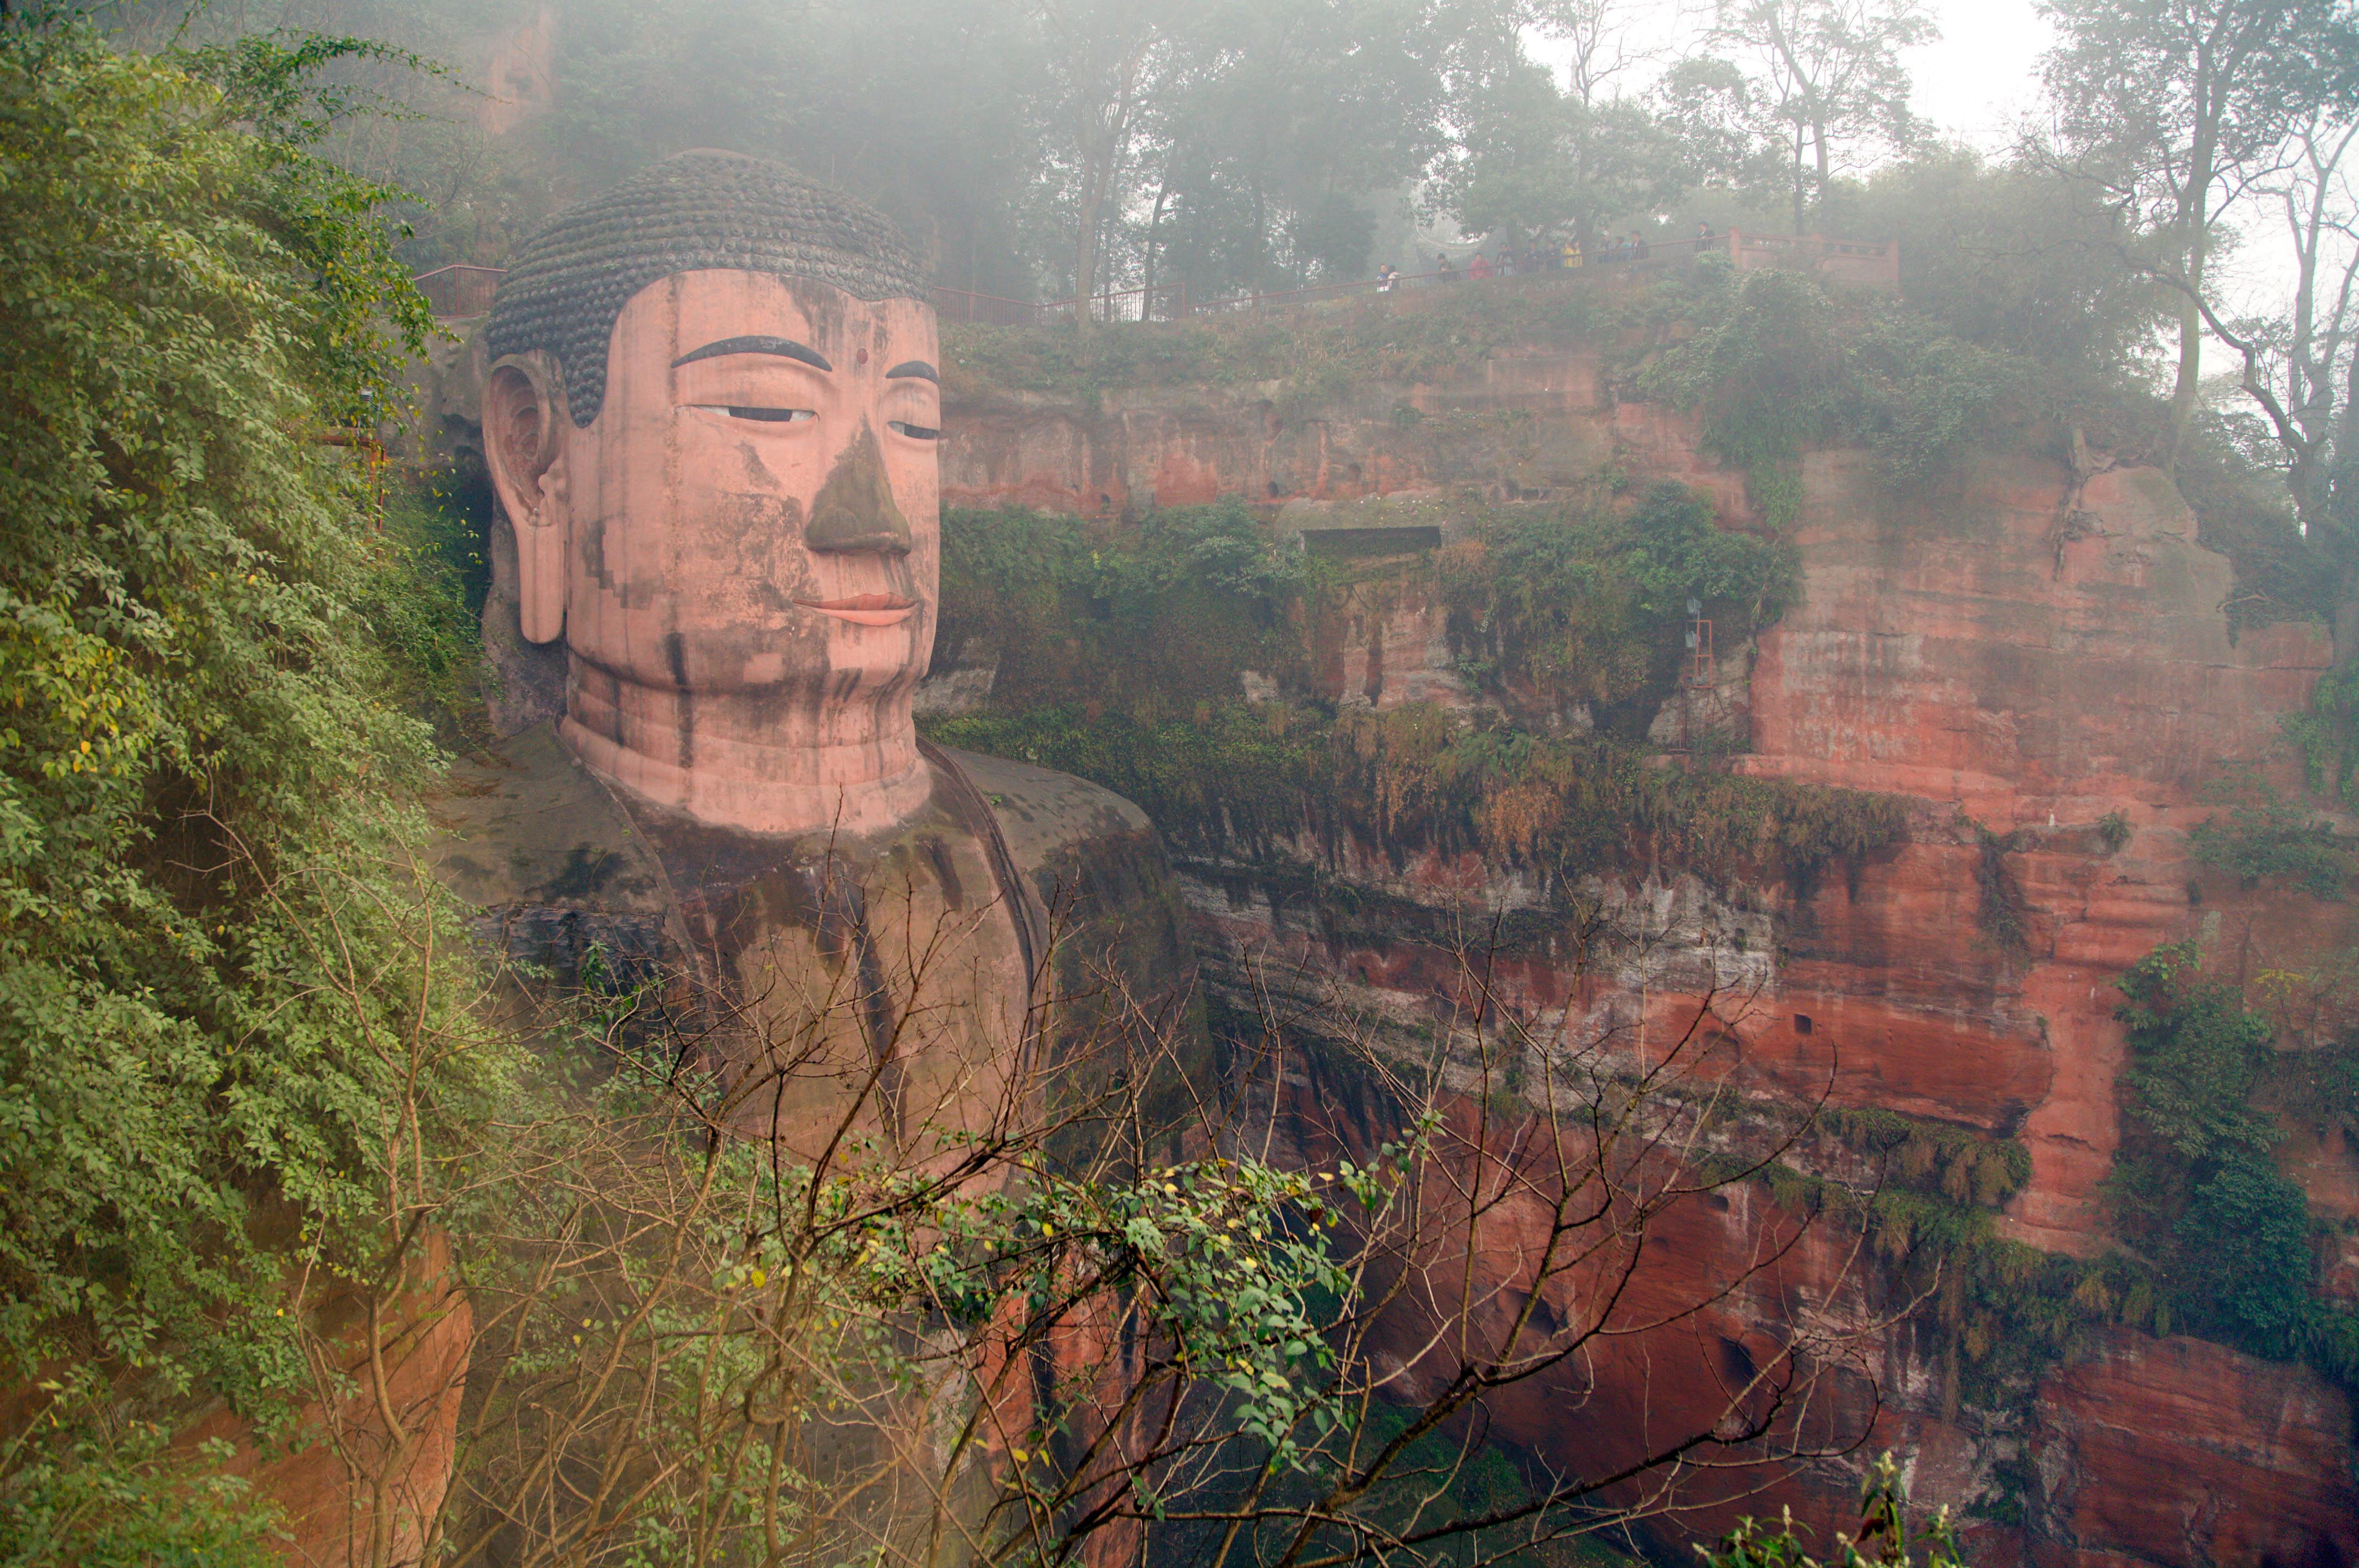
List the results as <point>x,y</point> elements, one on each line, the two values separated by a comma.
<point>710,419</point>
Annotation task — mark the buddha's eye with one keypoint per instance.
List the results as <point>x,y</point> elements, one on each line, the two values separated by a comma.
<point>760,416</point>
<point>915,432</point>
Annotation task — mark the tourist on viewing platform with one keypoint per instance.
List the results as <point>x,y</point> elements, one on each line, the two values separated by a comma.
<point>1441,264</point>
<point>1637,247</point>
<point>1506,261</point>
<point>1571,256</point>
<point>1704,236</point>
<point>1480,267</point>
<point>1384,275</point>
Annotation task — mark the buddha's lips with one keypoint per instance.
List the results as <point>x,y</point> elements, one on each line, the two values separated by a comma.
<point>863,609</point>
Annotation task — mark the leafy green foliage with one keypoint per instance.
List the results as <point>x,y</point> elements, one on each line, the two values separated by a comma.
<point>1924,1195</point>
<point>1233,1255</point>
<point>1884,1537</point>
<point>1164,613</point>
<point>2014,257</point>
<point>1331,350</point>
<point>1776,364</point>
<point>1416,777</point>
<point>1120,651</point>
<point>131,1503</point>
<point>1591,608</point>
<point>2001,909</point>
<point>2327,732</point>
<point>212,959</point>
<point>2264,835</point>
<point>2196,1052</point>
<point>2198,1190</point>
<point>422,601</point>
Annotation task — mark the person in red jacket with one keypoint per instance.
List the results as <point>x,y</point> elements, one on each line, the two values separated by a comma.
<point>1480,267</point>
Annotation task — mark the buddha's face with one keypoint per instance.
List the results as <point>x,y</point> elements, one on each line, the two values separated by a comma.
<point>754,512</point>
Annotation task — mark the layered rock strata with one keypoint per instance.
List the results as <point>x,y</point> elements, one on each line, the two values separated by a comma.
<point>2036,655</point>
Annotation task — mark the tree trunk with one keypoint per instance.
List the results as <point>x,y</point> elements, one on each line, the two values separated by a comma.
<point>1798,178</point>
<point>1818,140</point>
<point>1154,240</point>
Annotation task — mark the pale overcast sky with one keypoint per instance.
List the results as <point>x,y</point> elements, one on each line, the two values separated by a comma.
<point>1983,76</point>
<point>1976,83</point>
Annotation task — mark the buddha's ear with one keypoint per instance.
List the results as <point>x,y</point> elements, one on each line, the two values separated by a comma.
<point>525,429</point>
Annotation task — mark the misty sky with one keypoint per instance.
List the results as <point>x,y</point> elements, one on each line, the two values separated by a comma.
<point>1976,83</point>
<point>1973,84</point>
<point>1981,78</point>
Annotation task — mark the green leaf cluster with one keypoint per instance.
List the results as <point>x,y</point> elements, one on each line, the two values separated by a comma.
<point>2327,733</point>
<point>2197,1189</point>
<point>1590,606</point>
<point>225,999</point>
<point>2264,835</point>
<point>1776,363</point>
<point>1418,776</point>
<point>1163,612</point>
<point>1329,349</point>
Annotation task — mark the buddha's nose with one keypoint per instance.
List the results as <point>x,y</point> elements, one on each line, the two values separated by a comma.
<point>856,510</point>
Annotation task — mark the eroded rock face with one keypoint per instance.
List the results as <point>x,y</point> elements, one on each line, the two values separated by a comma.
<point>354,1489</point>
<point>1517,425</point>
<point>2182,1445</point>
<point>2021,656</point>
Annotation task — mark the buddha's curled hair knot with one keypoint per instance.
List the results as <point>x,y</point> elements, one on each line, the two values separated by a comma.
<point>699,210</point>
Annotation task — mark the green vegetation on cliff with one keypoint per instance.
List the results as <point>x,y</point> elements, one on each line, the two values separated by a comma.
<point>1121,653</point>
<point>1327,350</point>
<point>1590,606</point>
<point>2196,1189</point>
<point>220,1013</point>
<point>1238,778</point>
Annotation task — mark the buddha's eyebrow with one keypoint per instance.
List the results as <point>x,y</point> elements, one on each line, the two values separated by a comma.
<point>785,348</point>
<point>917,367</point>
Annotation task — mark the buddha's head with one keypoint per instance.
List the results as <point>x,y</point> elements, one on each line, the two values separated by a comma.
<point>710,419</point>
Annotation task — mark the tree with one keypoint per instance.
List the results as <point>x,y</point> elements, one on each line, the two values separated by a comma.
<point>2011,256</point>
<point>1832,88</point>
<point>208,938</point>
<point>1099,58</point>
<point>1273,126</point>
<point>1600,47</point>
<point>2178,110</point>
<point>1532,158</point>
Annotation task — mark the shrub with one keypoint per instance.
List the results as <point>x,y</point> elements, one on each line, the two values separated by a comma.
<point>2265,835</point>
<point>212,956</point>
<point>1589,607</point>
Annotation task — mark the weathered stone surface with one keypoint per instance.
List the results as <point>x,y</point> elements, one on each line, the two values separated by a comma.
<point>354,1489</point>
<point>1958,648</point>
<point>2181,1451</point>
<point>1519,424</point>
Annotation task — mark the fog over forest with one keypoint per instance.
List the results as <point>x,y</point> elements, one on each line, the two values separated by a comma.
<point>1179,783</point>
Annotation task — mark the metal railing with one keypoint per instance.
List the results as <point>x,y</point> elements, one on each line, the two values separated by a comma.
<point>460,291</point>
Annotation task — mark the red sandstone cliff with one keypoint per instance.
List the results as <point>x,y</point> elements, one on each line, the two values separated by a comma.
<point>2029,649</point>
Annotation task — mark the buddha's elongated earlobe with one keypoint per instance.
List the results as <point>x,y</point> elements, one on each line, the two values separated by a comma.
<point>524,434</point>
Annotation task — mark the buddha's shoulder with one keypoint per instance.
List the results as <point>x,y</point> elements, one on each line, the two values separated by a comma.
<point>1073,838</point>
<point>524,824</point>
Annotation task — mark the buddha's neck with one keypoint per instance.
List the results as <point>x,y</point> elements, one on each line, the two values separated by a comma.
<point>763,761</point>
